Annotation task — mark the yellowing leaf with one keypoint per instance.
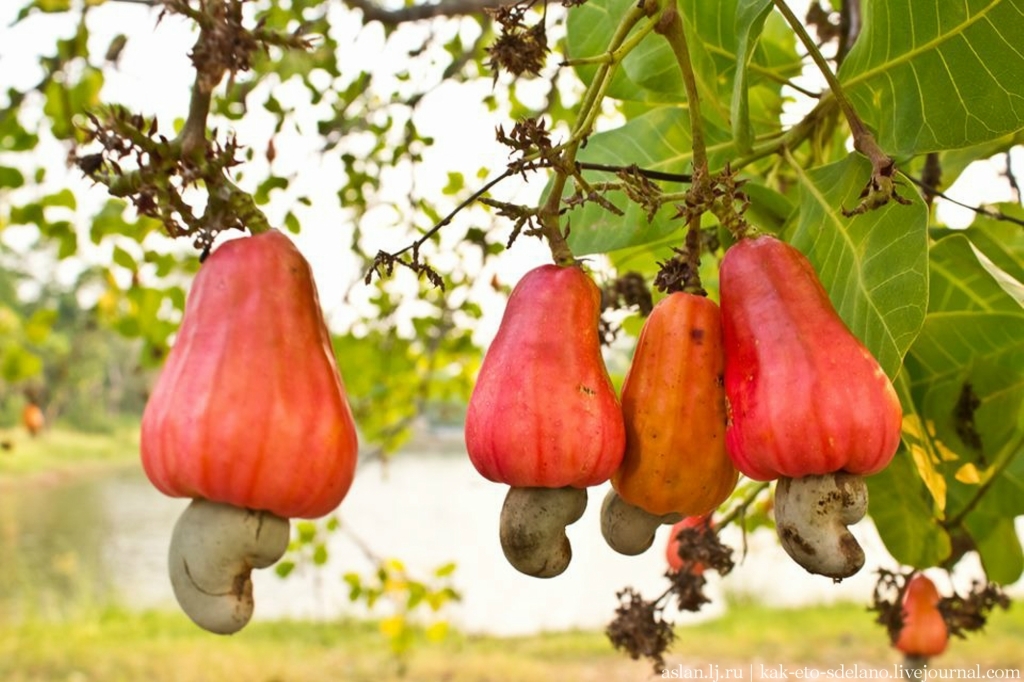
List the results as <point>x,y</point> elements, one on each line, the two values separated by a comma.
<point>968,474</point>
<point>437,631</point>
<point>925,460</point>
<point>392,626</point>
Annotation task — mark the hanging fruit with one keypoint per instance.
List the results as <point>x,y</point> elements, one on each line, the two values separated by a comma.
<point>675,561</point>
<point>924,633</point>
<point>673,403</point>
<point>250,418</point>
<point>808,404</point>
<point>543,417</point>
<point>33,419</point>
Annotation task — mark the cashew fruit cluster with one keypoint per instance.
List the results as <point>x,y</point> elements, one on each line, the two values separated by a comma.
<point>772,385</point>
<point>250,418</point>
<point>808,403</point>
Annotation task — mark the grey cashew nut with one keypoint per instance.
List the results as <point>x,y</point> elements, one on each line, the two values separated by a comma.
<point>214,548</point>
<point>532,531</point>
<point>628,529</point>
<point>811,516</point>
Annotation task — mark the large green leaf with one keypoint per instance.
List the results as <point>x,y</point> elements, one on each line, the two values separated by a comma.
<point>998,545</point>
<point>903,513</point>
<point>961,281</point>
<point>968,386</point>
<point>953,162</point>
<point>650,72</point>
<point>986,508</point>
<point>658,140</point>
<point>589,28</point>
<point>653,67</point>
<point>750,18</point>
<point>949,340</point>
<point>874,265</point>
<point>1000,240</point>
<point>933,76</point>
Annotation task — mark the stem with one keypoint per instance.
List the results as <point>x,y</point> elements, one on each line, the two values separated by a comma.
<point>741,509</point>
<point>647,173</point>
<point>448,218</point>
<point>913,663</point>
<point>701,193</point>
<point>549,227</point>
<point>670,26</point>
<point>1006,458</point>
<point>549,213</point>
<point>193,135</point>
<point>792,138</point>
<point>692,248</point>
<point>863,140</point>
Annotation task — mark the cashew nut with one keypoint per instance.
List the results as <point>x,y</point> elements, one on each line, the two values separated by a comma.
<point>811,516</point>
<point>532,532</point>
<point>214,548</point>
<point>628,529</point>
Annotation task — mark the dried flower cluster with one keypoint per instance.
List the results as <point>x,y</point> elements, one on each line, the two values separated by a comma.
<point>962,613</point>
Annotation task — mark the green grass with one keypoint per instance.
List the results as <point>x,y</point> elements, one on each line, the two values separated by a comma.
<point>114,645</point>
<point>92,643</point>
<point>58,452</point>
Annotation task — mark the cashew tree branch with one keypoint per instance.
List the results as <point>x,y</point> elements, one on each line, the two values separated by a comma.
<point>375,11</point>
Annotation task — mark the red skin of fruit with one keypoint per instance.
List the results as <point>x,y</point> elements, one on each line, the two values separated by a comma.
<point>543,412</point>
<point>675,562</point>
<point>924,632</point>
<point>805,396</point>
<point>673,403</point>
<point>250,409</point>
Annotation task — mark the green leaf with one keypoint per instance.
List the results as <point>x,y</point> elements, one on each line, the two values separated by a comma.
<point>124,259</point>
<point>589,29</point>
<point>658,140</point>
<point>45,6</point>
<point>291,223</point>
<point>18,364</point>
<point>456,183</point>
<point>64,198</point>
<point>305,531</point>
<point>933,76</point>
<point>949,341</point>
<point>262,194</point>
<point>768,209</point>
<point>960,280</point>
<point>902,510</point>
<point>417,592</point>
<point>11,178</point>
<point>924,453</point>
<point>995,537</point>
<point>39,325</point>
<point>284,568</point>
<point>953,162</point>
<point>1001,240</point>
<point>653,66</point>
<point>874,266</point>
<point>445,570</point>
<point>750,18</point>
